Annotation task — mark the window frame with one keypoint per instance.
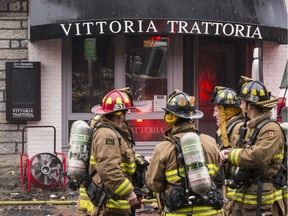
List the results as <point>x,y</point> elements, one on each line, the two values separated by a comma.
<point>174,79</point>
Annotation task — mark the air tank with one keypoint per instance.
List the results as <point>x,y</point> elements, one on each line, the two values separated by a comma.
<point>78,148</point>
<point>195,163</point>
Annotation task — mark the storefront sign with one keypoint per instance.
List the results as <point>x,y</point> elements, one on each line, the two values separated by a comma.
<point>23,91</point>
<point>249,19</point>
<point>161,27</point>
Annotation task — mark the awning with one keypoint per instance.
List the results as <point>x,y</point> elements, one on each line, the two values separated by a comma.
<point>250,19</point>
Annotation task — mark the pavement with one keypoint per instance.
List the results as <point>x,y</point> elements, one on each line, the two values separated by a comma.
<point>49,203</point>
<point>15,201</point>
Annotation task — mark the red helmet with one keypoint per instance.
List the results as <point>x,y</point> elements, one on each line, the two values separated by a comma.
<point>112,102</point>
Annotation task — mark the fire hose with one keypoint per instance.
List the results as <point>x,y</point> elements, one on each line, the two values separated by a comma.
<point>55,202</point>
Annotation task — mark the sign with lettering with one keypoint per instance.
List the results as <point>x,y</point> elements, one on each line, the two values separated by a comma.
<point>160,27</point>
<point>148,129</point>
<point>23,91</point>
<point>248,19</point>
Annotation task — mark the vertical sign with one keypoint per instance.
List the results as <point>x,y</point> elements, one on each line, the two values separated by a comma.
<point>23,91</point>
<point>90,49</point>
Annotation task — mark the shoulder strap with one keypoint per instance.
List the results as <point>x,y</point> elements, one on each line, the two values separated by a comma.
<point>232,125</point>
<point>229,130</point>
<point>94,131</point>
<point>178,153</point>
<point>110,127</point>
<point>255,133</point>
<point>176,142</point>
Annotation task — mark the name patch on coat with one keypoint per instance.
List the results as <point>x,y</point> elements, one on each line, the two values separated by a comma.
<point>110,142</point>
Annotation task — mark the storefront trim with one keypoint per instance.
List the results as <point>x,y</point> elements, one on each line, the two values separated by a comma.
<point>257,19</point>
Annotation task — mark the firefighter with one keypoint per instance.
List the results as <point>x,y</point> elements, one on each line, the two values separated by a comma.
<point>228,115</point>
<point>165,174</point>
<point>229,119</point>
<point>261,158</point>
<point>111,190</point>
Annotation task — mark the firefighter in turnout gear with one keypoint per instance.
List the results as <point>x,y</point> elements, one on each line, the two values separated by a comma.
<point>261,158</point>
<point>229,119</point>
<point>171,176</point>
<point>112,160</point>
<point>229,116</point>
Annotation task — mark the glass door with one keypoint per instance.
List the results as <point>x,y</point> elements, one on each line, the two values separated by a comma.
<point>221,62</point>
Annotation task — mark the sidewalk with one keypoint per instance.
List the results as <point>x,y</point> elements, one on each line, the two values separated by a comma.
<point>26,203</point>
<point>41,202</point>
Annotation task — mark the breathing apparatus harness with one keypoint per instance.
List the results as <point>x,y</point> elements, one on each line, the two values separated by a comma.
<point>229,131</point>
<point>98,194</point>
<point>244,176</point>
<point>175,199</point>
<point>226,167</point>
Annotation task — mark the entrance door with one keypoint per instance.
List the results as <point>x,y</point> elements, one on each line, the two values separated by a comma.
<point>221,63</point>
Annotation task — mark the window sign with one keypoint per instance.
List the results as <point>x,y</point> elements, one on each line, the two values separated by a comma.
<point>90,48</point>
<point>159,102</point>
<point>148,129</point>
<point>23,91</point>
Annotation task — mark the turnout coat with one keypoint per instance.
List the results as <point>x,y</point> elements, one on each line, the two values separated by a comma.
<point>162,172</point>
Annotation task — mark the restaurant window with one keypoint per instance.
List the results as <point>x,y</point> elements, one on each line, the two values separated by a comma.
<point>92,71</point>
<point>146,70</point>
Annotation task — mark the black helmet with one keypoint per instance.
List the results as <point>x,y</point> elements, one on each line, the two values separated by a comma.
<point>225,97</point>
<point>256,93</point>
<point>182,105</point>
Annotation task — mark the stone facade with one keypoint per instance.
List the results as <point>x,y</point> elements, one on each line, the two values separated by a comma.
<point>13,47</point>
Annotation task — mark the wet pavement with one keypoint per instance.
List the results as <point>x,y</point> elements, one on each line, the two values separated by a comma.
<point>53,210</point>
<point>53,203</point>
<point>11,191</point>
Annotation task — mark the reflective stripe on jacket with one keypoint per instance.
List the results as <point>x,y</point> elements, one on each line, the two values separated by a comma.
<point>113,155</point>
<point>84,201</point>
<point>263,158</point>
<point>252,199</point>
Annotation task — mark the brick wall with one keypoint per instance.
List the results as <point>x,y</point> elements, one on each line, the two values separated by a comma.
<point>274,62</point>
<point>13,47</point>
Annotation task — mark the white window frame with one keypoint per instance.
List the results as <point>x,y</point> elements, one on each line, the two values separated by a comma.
<point>174,78</point>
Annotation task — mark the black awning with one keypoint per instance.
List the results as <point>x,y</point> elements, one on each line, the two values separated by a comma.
<point>251,19</point>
